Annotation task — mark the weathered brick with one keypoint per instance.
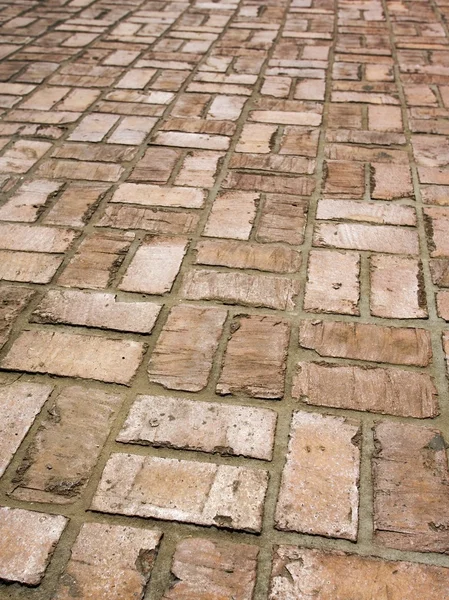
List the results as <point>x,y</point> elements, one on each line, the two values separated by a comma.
<point>179,490</point>
<point>377,238</point>
<point>212,568</point>
<point>240,288</point>
<point>30,267</point>
<point>275,184</point>
<point>132,130</point>
<point>323,464</point>
<point>156,165</point>
<point>256,138</point>
<point>191,140</point>
<point>299,571</point>
<point>13,300</point>
<point>255,359</point>
<point>100,310</point>
<point>76,204</point>
<point>35,239</point>
<point>302,141</point>
<point>97,260</point>
<point>344,179</point>
<point>154,195</point>
<point>73,355</point>
<point>29,200</point>
<point>391,181</point>
<point>112,153</point>
<point>24,558</point>
<point>385,118</point>
<point>202,426</point>
<point>155,265</point>
<point>109,562</point>
<point>156,221</point>
<point>182,358</point>
<point>333,282</point>
<point>232,215</point>
<point>93,127</point>
<point>397,288</point>
<point>19,405</point>
<point>372,389</point>
<point>79,421</point>
<point>363,341</point>
<point>371,212</point>
<point>437,221</point>
<point>22,155</point>
<point>77,169</point>
<point>282,219</point>
<point>199,168</point>
<point>411,479</point>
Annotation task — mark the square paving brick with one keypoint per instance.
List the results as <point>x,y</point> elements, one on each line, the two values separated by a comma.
<point>179,490</point>
<point>24,556</point>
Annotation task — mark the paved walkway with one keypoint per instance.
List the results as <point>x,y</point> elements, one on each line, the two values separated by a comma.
<point>224,265</point>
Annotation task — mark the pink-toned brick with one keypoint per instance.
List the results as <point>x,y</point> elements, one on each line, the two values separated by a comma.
<point>154,195</point>
<point>232,215</point>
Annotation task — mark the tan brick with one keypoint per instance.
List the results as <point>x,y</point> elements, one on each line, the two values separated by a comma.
<point>256,138</point>
<point>319,488</point>
<point>385,118</point>
<point>309,89</point>
<point>301,141</point>
<point>299,570</point>
<point>78,421</point>
<point>13,300</point>
<point>199,169</point>
<point>22,155</point>
<point>97,260</point>
<point>30,267</point>
<point>333,282</point>
<point>73,355</point>
<point>411,479</point>
<point>344,179</point>
<point>19,405</point>
<point>135,79</point>
<point>112,153</point>
<point>75,205</point>
<point>24,558</point>
<point>372,389</point>
<point>442,299</point>
<point>29,200</point>
<point>156,165</point>
<point>431,150</point>
<point>78,100</point>
<point>232,215</point>
<point>363,341</point>
<point>437,222</point>
<point>273,162</point>
<point>371,212</point>
<point>45,98</point>
<point>182,358</point>
<point>286,117</point>
<point>244,255</point>
<point>273,184</point>
<point>391,181</point>
<point>191,140</point>
<point>179,490</point>
<point>93,127</point>
<point>109,562</point>
<point>397,288</point>
<point>202,426</point>
<point>35,239</point>
<point>105,311</point>
<point>155,195</point>
<point>282,219</point>
<point>255,359</point>
<point>77,169</point>
<point>155,265</point>
<point>214,569</point>
<point>240,288</point>
<point>156,221</point>
<point>132,130</point>
<point>227,108</point>
<point>377,238</point>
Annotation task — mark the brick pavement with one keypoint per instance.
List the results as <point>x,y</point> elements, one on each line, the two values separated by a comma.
<point>224,297</point>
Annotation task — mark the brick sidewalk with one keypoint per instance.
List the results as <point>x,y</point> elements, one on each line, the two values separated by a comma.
<point>224,266</point>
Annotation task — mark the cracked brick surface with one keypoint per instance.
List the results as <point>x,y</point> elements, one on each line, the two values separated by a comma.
<point>224,299</point>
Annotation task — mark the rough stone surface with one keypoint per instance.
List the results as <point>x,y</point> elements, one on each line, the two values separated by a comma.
<point>319,488</point>
<point>204,426</point>
<point>191,492</point>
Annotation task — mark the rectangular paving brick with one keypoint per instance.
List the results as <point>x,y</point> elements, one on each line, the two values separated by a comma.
<point>242,255</point>
<point>352,210</point>
<point>97,260</point>
<point>155,266</point>
<point>132,130</point>
<point>282,219</point>
<point>255,358</point>
<point>232,215</point>
<point>77,169</point>
<point>93,127</point>
<point>333,282</point>
<point>22,155</point>
<point>154,195</point>
<point>72,355</point>
<point>411,488</point>
<point>109,562</point>
<point>35,239</point>
<point>363,341</point>
<point>256,138</point>
<point>240,288</point>
<point>179,490</point>
<point>358,236</point>
<point>78,421</point>
<point>183,356</point>
<point>298,569</point>
<point>373,389</point>
<point>28,201</point>
<point>19,405</point>
<point>156,165</point>
<point>214,568</point>
<point>157,221</point>
<point>30,267</point>
<point>397,288</point>
<point>76,204</point>
<point>162,421</point>
<point>102,310</point>
<point>24,558</point>
<point>323,464</point>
